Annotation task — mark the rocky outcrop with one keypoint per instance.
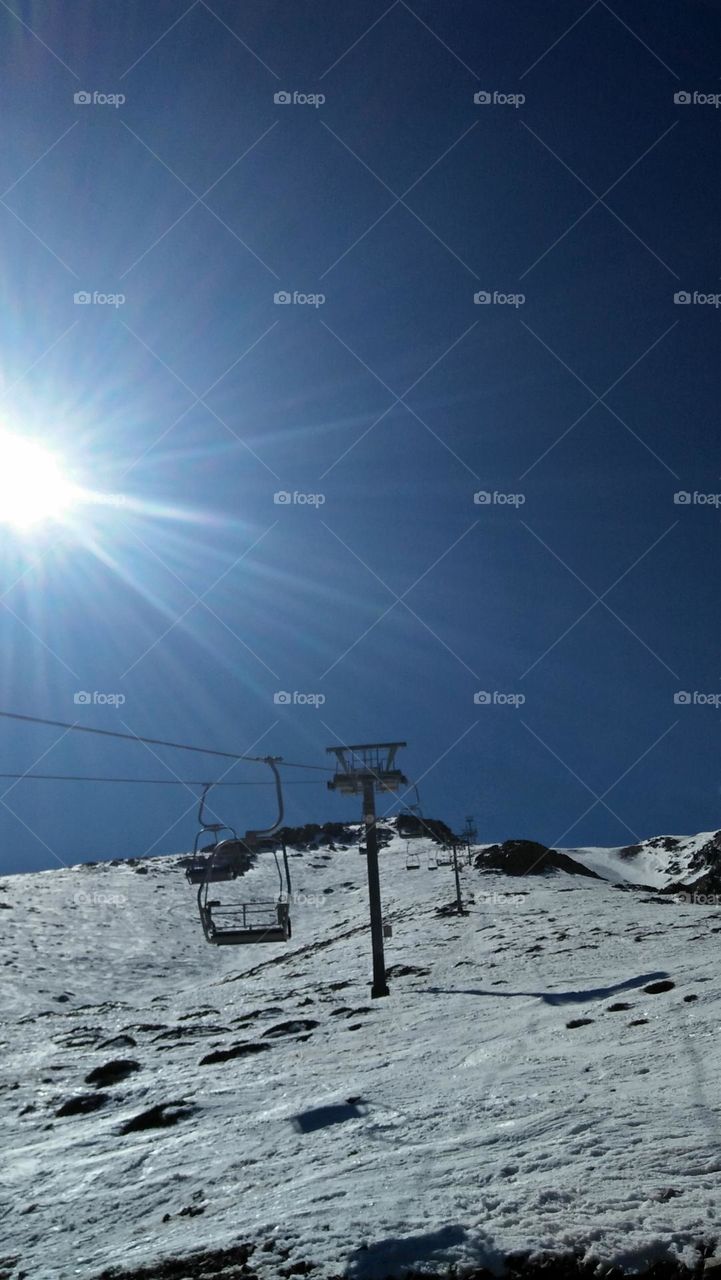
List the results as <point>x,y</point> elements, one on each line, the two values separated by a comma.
<point>529,858</point>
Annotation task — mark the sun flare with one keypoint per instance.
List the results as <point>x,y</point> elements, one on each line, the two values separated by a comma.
<point>34,487</point>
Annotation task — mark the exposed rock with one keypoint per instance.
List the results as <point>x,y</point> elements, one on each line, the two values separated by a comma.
<point>161,1116</point>
<point>291,1028</point>
<point>406,970</point>
<point>234,1051</point>
<point>83,1103</point>
<point>527,857</point>
<point>112,1072</point>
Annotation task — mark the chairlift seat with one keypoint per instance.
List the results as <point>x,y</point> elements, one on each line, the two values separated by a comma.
<point>246,923</point>
<point>213,868</point>
<point>238,923</point>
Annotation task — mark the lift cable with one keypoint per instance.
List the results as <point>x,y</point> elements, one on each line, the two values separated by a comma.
<point>158,742</point>
<point>156,782</point>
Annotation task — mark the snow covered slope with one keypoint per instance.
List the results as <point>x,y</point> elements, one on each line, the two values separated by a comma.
<point>543,1076</point>
<point>658,862</point>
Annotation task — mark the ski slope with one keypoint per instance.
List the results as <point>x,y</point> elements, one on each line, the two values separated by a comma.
<point>458,1120</point>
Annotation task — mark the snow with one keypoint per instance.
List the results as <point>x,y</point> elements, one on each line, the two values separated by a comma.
<point>455,1121</point>
<point>652,865</point>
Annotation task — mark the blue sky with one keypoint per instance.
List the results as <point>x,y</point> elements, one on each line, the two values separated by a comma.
<point>381,399</point>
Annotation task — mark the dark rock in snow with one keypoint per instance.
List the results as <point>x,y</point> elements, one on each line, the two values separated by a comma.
<point>291,1028</point>
<point>406,970</point>
<point>210,1263</point>
<point>112,1072</point>
<point>82,1104</point>
<point>235,1051</point>
<point>161,1116</point>
<point>526,858</point>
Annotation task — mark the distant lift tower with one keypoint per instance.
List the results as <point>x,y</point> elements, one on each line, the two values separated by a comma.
<point>365,769</point>
<point>469,834</point>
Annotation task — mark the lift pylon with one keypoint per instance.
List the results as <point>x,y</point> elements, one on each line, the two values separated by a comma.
<point>364,769</point>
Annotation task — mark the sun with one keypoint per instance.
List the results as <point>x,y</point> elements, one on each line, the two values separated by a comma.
<point>34,487</point>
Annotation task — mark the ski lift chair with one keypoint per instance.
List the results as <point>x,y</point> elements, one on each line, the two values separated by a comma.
<point>226,867</point>
<point>239,923</point>
<point>413,862</point>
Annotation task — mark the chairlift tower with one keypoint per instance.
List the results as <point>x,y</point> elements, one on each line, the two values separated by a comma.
<point>364,769</point>
<point>469,834</point>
